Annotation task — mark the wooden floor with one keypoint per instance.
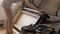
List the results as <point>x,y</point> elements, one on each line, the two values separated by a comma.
<point>3,31</point>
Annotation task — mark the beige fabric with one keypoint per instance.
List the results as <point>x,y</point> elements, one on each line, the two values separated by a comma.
<point>50,6</point>
<point>54,18</point>
<point>58,13</point>
<point>15,8</point>
<point>8,3</point>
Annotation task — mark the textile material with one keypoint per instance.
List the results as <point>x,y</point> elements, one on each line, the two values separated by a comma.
<point>58,14</point>
<point>50,6</point>
<point>8,3</point>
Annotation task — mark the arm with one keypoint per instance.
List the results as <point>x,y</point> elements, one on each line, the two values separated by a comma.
<point>30,5</point>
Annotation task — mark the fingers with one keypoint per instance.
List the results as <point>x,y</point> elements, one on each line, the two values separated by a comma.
<point>42,11</point>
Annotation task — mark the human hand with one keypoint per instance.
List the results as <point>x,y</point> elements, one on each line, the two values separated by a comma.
<point>42,11</point>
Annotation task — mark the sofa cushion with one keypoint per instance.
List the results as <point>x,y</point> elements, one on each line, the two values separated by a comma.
<point>50,6</point>
<point>58,13</point>
<point>54,19</point>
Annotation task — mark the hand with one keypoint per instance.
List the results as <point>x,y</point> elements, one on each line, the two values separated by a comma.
<point>42,11</point>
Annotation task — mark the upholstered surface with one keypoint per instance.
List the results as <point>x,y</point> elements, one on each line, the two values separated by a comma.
<point>50,6</point>
<point>58,13</point>
<point>54,18</point>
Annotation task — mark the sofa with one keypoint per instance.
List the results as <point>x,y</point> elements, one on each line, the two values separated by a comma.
<point>52,7</point>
